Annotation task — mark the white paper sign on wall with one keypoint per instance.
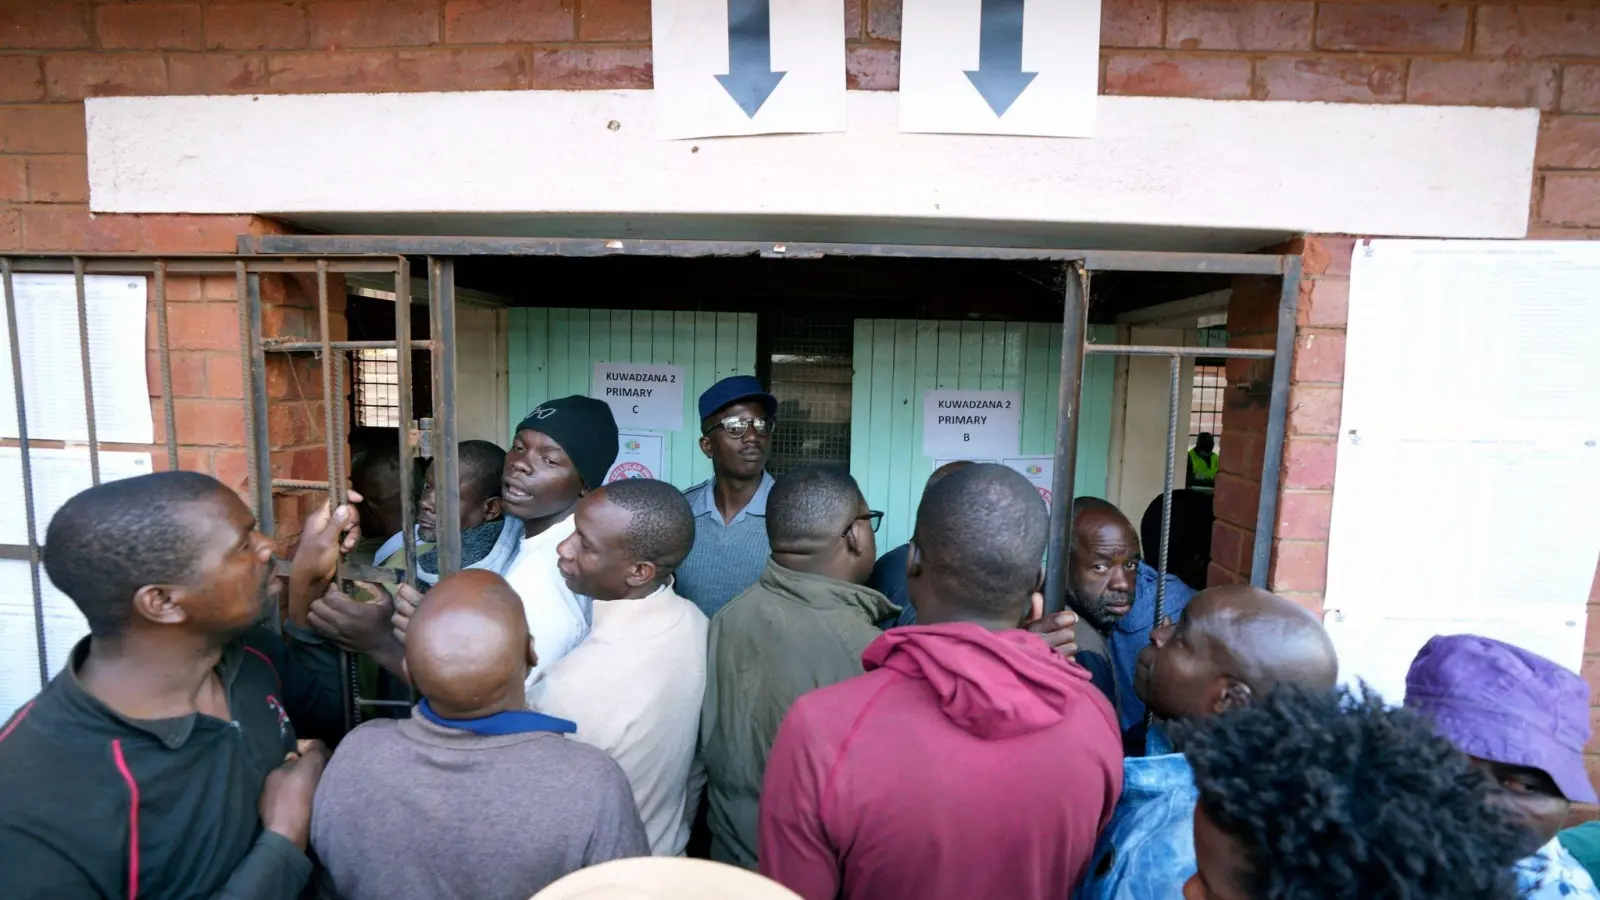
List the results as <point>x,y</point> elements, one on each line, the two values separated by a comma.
<point>639,455</point>
<point>641,396</point>
<point>967,424</point>
<point>1039,470</point>
<point>736,67</point>
<point>1024,67</point>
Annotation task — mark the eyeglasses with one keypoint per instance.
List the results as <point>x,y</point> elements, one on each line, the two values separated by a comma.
<point>736,427</point>
<point>873,516</point>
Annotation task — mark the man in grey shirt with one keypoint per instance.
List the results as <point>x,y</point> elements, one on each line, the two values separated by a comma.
<point>474,796</point>
<point>730,510</point>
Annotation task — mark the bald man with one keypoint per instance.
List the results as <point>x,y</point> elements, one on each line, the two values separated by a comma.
<point>474,795</point>
<point>1234,645</point>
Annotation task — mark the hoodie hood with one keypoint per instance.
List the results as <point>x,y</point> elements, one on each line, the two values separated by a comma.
<point>991,684</point>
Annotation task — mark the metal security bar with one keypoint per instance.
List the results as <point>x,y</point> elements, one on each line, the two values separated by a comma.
<point>246,271</point>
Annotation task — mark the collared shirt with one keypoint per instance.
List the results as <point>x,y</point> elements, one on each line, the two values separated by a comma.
<point>1554,874</point>
<point>1132,633</point>
<point>1147,851</point>
<point>726,558</point>
<point>95,804</point>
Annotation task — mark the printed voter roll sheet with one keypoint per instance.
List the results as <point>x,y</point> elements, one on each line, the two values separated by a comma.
<point>642,397</point>
<point>57,475</point>
<point>967,424</point>
<point>52,364</point>
<point>64,626</point>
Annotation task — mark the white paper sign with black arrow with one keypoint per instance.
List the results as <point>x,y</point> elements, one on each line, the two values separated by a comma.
<point>1022,67</point>
<point>737,67</point>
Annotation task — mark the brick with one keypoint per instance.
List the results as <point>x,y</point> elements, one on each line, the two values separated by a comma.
<point>1319,356</point>
<point>1594,589</point>
<point>1308,465</point>
<point>1236,499</point>
<point>622,20</point>
<point>220,287</point>
<point>1310,601</point>
<point>1569,142</point>
<point>81,75</point>
<point>1217,575</point>
<point>1538,31</point>
<point>10,229</point>
<point>1580,89</point>
<point>1324,302</point>
<point>1332,79</point>
<point>1547,233</point>
<point>190,459</point>
<point>61,228</point>
<point>148,26</point>
<point>1230,546</point>
<point>1591,632</point>
<point>21,78</point>
<point>287,321</point>
<point>507,21</point>
<point>292,424</point>
<point>872,68</point>
<point>188,373</point>
<point>193,234</point>
<point>1304,515</point>
<point>1572,200</point>
<point>225,376</point>
<point>43,129</point>
<point>1393,27</point>
<point>854,20</point>
<point>217,73</point>
<point>1299,566</point>
<point>1153,75</point>
<point>1327,254</point>
<point>58,179</point>
<point>1314,410</point>
<point>1242,447</point>
<point>255,26</point>
<point>883,20</point>
<point>203,326</point>
<point>232,468</point>
<point>592,68</point>
<point>347,24</point>
<point>1130,24</point>
<point>44,25</point>
<point>209,423</point>
<point>464,68</point>
<point>1239,25</point>
<point>324,72</point>
<point>1591,673</point>
<point>13,179</point>
<point>1482,83</point>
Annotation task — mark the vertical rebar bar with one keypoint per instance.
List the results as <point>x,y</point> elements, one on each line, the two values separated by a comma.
<point>334,440</point>
<point>88,369</point>
<point>27,468</point>
<point>253,472</point>
<point>164,353</point>
<point>402,353</point>
<point>1173,367</point>
<point>1277,415</point>
<point>1074,330</point>
<point>258,438</point>
<point>446,466</point>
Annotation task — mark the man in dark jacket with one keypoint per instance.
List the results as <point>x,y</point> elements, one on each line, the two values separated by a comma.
<point>161,762</point>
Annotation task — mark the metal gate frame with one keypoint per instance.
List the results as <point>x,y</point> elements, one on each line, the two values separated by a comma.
<point>324,255</point>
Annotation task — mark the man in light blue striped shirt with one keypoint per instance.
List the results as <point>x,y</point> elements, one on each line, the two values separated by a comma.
<point>730,509</point>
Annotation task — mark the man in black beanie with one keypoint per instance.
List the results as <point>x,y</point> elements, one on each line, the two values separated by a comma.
<point>561,451</point>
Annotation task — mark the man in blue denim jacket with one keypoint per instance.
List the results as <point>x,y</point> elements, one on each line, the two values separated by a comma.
<point>1235,644</point>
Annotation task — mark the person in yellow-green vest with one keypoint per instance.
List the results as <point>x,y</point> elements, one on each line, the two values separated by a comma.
<point>1203,462</point>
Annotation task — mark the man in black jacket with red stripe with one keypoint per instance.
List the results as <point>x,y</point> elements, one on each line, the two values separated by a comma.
<point>161,761</point>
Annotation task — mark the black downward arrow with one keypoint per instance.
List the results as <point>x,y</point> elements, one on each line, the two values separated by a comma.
<point>750,79</point>
<point>999,76</point>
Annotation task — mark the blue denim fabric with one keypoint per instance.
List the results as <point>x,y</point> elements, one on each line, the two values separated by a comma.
<point>889,579</point>
<point>1552,874</point>
<point>1147,851</point>
<point>1132,633</point>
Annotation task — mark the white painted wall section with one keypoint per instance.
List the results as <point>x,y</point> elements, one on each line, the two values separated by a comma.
<point>1158,162</point>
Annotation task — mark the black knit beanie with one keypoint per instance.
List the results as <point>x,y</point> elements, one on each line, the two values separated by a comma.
<point>585,428</point>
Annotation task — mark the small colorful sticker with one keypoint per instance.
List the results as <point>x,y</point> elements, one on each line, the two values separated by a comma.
<point>629,470</point>
<point>632,446</point>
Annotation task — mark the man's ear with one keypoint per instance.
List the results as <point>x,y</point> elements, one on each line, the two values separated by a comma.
<point>851,542</point>
<point>1035,607</point>
<point>491,509</point>
<point>705,446</point>
<point>533,657</point>
<point>913,559</point>
<point>161,604</point>
<point>1234,695</point>
<point>641,573</point>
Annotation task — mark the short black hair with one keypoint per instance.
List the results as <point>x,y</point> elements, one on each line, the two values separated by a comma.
<point>107,542</point>
<point>808,503</point>
<point>482,465</point>
<point>662,528</point>
<point>1334,795</point>
<point>1192,518</point>
<point>983,529</point>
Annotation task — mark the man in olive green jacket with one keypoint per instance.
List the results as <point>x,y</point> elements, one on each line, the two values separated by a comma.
<point>801,626</point>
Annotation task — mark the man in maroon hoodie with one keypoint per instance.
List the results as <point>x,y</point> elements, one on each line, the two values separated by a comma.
<point>1019,761</point>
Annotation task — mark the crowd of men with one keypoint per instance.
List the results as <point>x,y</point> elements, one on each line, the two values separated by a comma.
<point>627,671</point>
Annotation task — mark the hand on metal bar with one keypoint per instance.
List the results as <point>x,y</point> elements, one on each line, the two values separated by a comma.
<point>406,600</point>
<point>1059,630</point>
<point>359,626</point>
<point>326,536</point>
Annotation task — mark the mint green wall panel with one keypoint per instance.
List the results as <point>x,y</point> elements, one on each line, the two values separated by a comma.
<point>897,359</point>
<point>552,353</point>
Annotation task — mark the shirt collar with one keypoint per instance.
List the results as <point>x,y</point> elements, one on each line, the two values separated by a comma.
<point>522,721</point>
<point>172,733</point>
<point>706,503</point>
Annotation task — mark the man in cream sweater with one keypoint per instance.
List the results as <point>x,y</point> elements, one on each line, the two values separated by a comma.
<point>636,683</point>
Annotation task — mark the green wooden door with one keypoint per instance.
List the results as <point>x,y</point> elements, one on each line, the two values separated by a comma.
<point>552,352</point>
<point>897,359</point>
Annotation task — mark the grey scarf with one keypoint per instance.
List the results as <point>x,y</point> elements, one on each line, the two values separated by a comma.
<point>492,546</point>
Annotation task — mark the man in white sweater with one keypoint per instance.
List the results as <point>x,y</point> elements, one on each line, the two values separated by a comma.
<point>635,685</point>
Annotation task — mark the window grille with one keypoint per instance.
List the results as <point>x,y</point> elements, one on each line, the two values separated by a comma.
<point>1205,402</point>
<point>377,388</point>
<point>811,369</point>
